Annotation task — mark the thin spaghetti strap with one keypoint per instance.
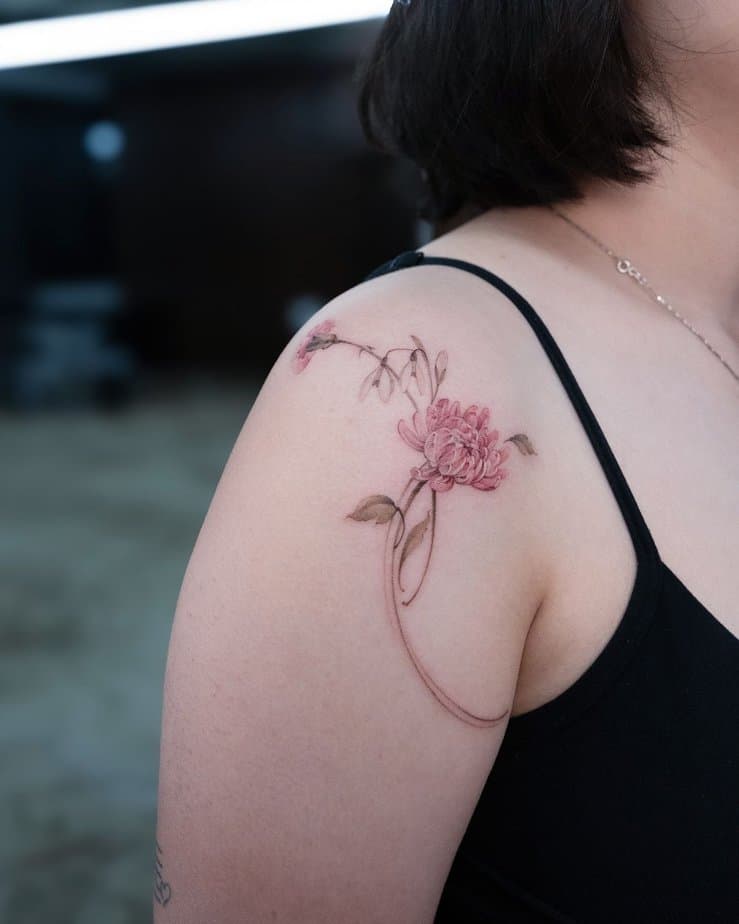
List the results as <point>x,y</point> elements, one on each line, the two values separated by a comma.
<point>638,530</point>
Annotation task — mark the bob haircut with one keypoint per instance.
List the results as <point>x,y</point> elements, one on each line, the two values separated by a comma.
<point>514,102</point>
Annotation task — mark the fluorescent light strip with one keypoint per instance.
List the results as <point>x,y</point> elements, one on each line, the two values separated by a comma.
<point>170,25</point>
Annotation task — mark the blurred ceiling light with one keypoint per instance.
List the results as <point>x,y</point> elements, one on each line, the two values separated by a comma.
<point>170,25</point>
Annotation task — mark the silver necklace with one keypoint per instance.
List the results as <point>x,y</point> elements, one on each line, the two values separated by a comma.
<point>627,268</point>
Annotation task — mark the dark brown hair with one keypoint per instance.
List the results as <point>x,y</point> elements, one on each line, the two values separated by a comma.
<point>514,102</point>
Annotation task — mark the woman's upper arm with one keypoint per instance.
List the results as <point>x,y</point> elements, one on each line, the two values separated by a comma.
<point>349,631</point>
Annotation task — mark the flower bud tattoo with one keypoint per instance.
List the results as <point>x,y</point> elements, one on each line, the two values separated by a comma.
<point>457,447</point>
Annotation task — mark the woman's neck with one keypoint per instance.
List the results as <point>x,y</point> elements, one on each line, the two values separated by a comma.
<point>681,229</point>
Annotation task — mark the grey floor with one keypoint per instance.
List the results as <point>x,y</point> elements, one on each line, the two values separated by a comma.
<point>98,515</point>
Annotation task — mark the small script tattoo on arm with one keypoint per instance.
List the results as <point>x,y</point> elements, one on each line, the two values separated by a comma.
<point>162,889</point>
<point>457,447</point>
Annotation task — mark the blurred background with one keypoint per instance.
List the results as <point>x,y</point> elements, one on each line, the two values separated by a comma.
<point>169,217</point>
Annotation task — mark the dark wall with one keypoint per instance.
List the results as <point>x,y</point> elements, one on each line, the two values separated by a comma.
<point>244,182</point>
<point>12,253</point>
<point>235,197</point>
<point>65,217</point>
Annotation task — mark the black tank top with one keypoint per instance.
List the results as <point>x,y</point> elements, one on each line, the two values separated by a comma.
<point>617,802</point>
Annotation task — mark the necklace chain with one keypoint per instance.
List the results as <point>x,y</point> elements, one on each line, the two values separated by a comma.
<point>627,268</point>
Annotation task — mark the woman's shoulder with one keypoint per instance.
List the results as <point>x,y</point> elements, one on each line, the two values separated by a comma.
<point>415,373</point>
<point>471,322</point>
<point>429,374</point>
<point>404,350</point>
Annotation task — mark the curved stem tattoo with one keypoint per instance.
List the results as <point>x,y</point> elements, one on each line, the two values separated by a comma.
<point>456,447</point>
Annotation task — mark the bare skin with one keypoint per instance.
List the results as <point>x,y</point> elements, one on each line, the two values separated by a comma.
<point>307,773</point>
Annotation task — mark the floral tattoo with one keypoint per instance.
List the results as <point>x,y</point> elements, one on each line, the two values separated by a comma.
<point>456,447</point>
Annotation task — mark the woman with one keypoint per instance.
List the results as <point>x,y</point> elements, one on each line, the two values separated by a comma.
<point>459,638</point>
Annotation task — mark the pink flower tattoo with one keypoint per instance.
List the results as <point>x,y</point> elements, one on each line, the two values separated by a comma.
<point>320,338</point>
<point>458,448</point>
